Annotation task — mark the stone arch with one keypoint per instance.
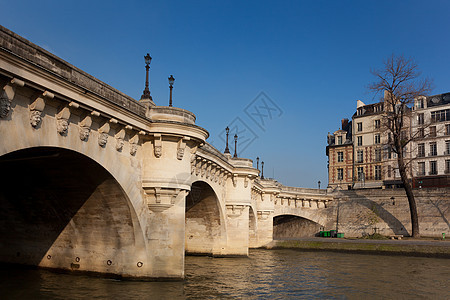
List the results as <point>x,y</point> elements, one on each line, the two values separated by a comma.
<point>62,209</point>
<point>289,226</point>
<point>205,221</point>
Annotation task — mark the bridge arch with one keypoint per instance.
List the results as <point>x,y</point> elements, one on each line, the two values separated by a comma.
<point>205,231</point>
<point>62,209</point>
<point>288,226</point>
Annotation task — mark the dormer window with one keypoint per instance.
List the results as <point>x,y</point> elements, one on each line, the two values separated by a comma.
<point>339,140</point>
<point>419,103</point>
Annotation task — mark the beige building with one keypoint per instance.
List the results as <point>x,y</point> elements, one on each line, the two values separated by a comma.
<point>340,157</point>
<point>431,127</point>
<point>368,147</point>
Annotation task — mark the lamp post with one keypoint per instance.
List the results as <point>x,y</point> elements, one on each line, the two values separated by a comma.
<point>235,145</point>
<point>262,170</point>
<point>146,92</point>
<point>227,150</point>
<point>171,80</point>
<point>318,184</point>
<point>257,163</point>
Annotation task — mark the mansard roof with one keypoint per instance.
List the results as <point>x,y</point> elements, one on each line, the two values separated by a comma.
<point>438,100</point>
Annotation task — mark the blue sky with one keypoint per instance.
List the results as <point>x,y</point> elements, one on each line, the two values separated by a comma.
<point>312,59</point>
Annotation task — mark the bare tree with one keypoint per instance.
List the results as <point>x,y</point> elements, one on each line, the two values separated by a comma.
<point>399,81</point>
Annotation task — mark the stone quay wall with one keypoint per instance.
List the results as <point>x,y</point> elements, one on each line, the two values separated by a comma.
<point>362,212</point>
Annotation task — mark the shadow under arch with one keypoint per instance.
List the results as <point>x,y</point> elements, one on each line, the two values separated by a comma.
<point>291,227</point>
<point>252,228</point>
<point>61,209</point>
<point>205,231</point>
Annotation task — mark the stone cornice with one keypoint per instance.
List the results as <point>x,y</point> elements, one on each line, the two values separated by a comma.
<point>44,80</point>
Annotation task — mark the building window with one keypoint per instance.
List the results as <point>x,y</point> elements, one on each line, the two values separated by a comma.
<point>339,140</point>
<point>377,154</point>
<point>447,166</point>
<point>447,148</point>
<point>340,156</point>
<point>389,171</point>
<point>359,140</point>
<point>340,174</point>
<point>377,139</point>
<point>419,103</point>
<point>420,119</point>
<point>433,149</point>
<point>361,174</point>
<point>440,115</point>
<point>433,167</point>
<point>421,150</point>
<point>377,172</point>
<point>447,129</point>
<point>403,135</point>
<point>421,169</point>
<point>389,137</point>
<point>420,133</point>
<point>377,124</point>
<point>359,125</point>
<point>432,131</point>
<point>360,156</point>
<point>388,152</point>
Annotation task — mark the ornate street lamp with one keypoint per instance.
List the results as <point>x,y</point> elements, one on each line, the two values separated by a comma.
<point>227,150</point>
<point>171,80</point>
<point>235,145</point>
<point>257,163</point>
<point>146,92</point>
<point>318,184</point>
<point>262,170</point>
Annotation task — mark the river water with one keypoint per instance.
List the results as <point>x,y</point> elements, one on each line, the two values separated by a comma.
<point>266,274</point>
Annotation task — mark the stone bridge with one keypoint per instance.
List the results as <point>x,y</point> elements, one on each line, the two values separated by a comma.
<point>93,180</point>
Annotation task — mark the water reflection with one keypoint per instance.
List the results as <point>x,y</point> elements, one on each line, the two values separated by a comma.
<point>281,274</point>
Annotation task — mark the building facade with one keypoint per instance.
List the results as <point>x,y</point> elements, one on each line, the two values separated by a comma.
<point>340,157</point>
<point>373,163</point>
<point>431,128</point>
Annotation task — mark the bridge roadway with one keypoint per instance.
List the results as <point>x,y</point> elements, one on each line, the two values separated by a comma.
<point>93,180</point>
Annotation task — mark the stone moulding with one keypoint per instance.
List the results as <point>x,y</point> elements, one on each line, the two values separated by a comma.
<point>264,214</point>
<point>235,210</point>
<point>159,199</point>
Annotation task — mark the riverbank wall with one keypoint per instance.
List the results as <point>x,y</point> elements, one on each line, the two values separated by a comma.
<point>439,249</point>
<point>362,212</point>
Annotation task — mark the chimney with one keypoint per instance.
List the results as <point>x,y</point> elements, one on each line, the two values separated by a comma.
<point>344,123</point>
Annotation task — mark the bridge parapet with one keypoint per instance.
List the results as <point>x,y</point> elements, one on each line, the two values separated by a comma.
<point>21,48</point>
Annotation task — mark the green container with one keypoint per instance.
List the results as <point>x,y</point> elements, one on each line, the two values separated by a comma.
<point>326,234</point>
<point>321,233</point>
<point>340,235</point>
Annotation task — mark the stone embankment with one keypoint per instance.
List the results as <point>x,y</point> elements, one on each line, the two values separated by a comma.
<point>406,247</point>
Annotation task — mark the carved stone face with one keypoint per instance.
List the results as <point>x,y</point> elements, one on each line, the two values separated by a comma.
<point>119,144</point>
<point>133,149</point>
<point>35,118</point>
<point>5,107</point>
<point>62,126</point>
<point>158,151</point>
<point>180,153</point>
<point>84,133</point>
<point>103,139</point>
